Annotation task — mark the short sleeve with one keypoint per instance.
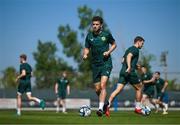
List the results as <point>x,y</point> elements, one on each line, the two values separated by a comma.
<point>134,51</point>
<point>110,38</point>
<point>87,44</point>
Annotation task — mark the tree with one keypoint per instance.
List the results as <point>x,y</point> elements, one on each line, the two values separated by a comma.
<point>48,65</point>
<point>146,59</point>
<point>8,79</point>
<point>72,46</point>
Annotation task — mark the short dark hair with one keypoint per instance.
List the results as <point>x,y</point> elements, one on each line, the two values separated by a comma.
<point>138,38</point>
<point>158,72</point>
<point>23,56</point>
<point>97,18</point>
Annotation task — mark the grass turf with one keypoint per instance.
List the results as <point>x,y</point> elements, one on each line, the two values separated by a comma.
<point>120,117</point>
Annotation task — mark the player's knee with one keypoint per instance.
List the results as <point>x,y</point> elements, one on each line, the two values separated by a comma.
<point>29,97</point>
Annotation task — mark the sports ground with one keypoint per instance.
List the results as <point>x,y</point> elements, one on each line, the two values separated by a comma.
<point>119,117</point>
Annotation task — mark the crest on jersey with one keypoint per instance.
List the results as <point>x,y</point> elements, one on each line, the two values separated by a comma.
<point>103,38</point>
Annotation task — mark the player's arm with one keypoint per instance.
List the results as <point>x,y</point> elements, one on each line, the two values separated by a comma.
<point>68,89</point>
<point>149,81</point>
<point>164,87</point>
<point>111,49</point>
<point>128,58</point>
<point>21,75</point>
<point>56,88</point>
<point>85,53</point>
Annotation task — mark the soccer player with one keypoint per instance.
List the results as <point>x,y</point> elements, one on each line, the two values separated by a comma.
<point>25,84</point>
<point>97,42</point>
<point>128,74</point>
<point>61,86</point>
<point>148,82</point>
<point>161,86</point>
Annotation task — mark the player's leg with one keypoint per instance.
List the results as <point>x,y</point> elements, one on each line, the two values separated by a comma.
<point>30,97</point>
<point>144,98</point>
<point>19,103</point>
<point>58,105</point>
<point>138,105</point>
<point>20,91</point>
<point>97,86</point>
<point>165,100</point>
<point>111,98</point>
<point>102,95</point>
<point>63,102</point>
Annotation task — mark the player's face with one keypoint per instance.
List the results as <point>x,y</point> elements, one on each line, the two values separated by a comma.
<point>140,44</point>
<point>64,74</point>
<point>157,76</point>
<point>96,25</point>
<point>143,69</point>
<point>21,60</point>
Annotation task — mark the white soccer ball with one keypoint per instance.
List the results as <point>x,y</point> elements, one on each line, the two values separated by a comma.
<point>85,111</point>
<point>146,110</point>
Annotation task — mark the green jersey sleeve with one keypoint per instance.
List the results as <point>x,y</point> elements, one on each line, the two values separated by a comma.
<point>87,44</point>
<point>110,38</point>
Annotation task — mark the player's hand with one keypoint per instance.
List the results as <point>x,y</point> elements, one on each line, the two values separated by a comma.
<point>17,79</point>
<point>106,54</point>
<point>85,57</point>
<point>162,91</point>
<point>128,70</point>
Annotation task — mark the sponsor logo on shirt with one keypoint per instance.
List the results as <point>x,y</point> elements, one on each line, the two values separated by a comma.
<point>103,38</point>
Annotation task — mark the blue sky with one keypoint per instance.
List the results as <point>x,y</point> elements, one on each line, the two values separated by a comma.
<point>24,22</point>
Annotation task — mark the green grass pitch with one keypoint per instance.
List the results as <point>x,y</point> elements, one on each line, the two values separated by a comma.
<point>120,117</point>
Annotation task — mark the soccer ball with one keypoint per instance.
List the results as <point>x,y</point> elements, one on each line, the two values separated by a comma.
<point>85,111</point>
<point>146,111</point>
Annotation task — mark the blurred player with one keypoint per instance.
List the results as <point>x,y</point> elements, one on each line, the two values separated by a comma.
<point>148,82</point>
<point>128,74</point>
<point>161,86</point>
<point>25,84</point>
<point>61,86</point>
<point>97,41</point>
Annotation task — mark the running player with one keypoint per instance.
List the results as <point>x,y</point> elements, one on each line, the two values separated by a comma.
<point>97,42</point>
<point>25,84</point>
<point>128,75</point>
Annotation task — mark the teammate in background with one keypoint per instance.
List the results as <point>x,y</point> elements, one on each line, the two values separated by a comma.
<point>61,87</point>
<point>25,84</point>
<point>97,42</point>
<point>148,82</point>
<point>128,75</point>
<point>161,86</point>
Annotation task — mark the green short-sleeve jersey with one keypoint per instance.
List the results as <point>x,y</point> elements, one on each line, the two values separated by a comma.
<point>98,44</point>
<point>62,84</point>
<point>28,69</point>
<point>147,76</point>
<point>159,84</point>
<point>134,60</point>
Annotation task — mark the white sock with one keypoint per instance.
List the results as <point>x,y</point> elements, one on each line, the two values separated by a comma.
<point>157,106</point>
<point>101,104</point>
<point>109,104</point>
<point>37,100</point>
<point>138,105</point>
<point>18,111</point>
<point>63,109</point>
<point>57,108</point>
<point>165,106</point>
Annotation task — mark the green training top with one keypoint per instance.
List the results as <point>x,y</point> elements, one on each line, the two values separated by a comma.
<point>62,84</point>
<point>147,76</point>
<point>159,84</point>
<point>28,69</point>
<point>98,44</point>
<point>134,60</point>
